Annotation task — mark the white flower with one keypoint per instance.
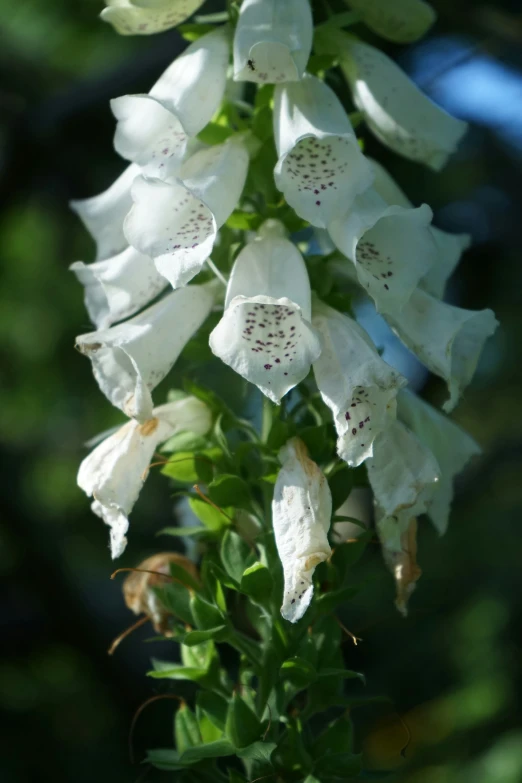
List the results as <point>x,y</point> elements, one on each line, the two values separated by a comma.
<point>451,446</point>
<point>130,359</point>
<point>401,21</point>
<point>356,384</point>
<point>392,248</point>
<point>447,339</point>
<point>321,167</point>
<point>265,333</point>
<point>396,111</point>
<point>114,472</point>
<point>449,247</point>
<point>103,215</point>
<point>153,129</point>
<point>273,40</point>
<point>176,222</point>
<point>119,286</point>
<point>399,548</point>
<point>143,17</point>
<point>301,515</point>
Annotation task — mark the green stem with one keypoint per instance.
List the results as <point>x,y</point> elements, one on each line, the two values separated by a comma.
<point>267,419</point>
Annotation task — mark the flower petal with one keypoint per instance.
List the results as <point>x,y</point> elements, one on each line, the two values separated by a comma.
<point>132,17</point>
<point>321,167</point>
<point>118,287</point>
<point>402,21</point>
<point>396,111</point>
<point>392,248</point>
<point>451,446</point>
<point>273,41</point>
<point>447,339</point>
<point>130,359</point>
<point>399,549</point>
<point>103,215</point>
<point>356,384</point>
<point>301,514</point>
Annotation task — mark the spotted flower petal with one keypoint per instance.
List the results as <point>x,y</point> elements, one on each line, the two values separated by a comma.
<point>118,287</point>
<point>114,472</point>
<point>176,222</point>
<point>130,359</point>
<point>396,111</point>
<point>401,21</point>
<point>449,247</point>
<point>321,167</point>
<point>356,384</point>
<point>447,339</point>
<point>153,129</point>
<point>273,40</point>
<point>301,515</point>
<point>451,446</point>
<point>265,333</point>
<point>103,215</point>
<point>144,17</point>
<point>392,248</point>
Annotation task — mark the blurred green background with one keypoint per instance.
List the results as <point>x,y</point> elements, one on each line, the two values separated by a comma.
<point>452,670</point>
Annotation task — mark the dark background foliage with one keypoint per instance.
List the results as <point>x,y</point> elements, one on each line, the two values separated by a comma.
<point>452,669</point>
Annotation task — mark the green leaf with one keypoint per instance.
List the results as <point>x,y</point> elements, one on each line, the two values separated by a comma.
<point>321,62</point>
<point>214,707</point>
<point>181,532</point>
<point>186,730</point>
<point>200,656</point>
<point>211,750</point>
<point>206,616</point>
<point>318,441</point>
<point>262,124</point>
<point>164,758</point>
<point>217,634</point>
<point>242,726</point>
<point>327,602</point>
<point>176,599</point>
<point>342,674</point>
<point>338,765</point>
<point>336,738</point>
<point>171,671</point>
<point>290,757</point>
<point>182,575</point>
<point>184,441</point>
<point>227,490</point>
<point>244,221</point>
<point>188,467</point>
<point>214,133</point>
<point>280,432</point>
<point>340,484</point>
<point>298,671</point>
<point>257,583</point>
<point>259,752</point>
<point>212,518</point>
<point>235,555</point>
<point>347,554</point>
<point>192,32</point>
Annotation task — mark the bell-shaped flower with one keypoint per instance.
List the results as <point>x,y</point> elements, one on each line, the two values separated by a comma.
<point>176,222</point>
<point>153,129</point>
<point>451,446</point>
<point>396,111</point>
<point>392,248</point>
<point>447,339</point>
<point>130,359</point>
<point>143,17</point>
<point>119,286</point>
<point>301,516</point>
<point>399,549</point>
<point>265,333</point>
<point>114,472</point>
<point>449,247</point>
<point>103,215</point>
<point>321,168</point>
<point>356,384</point>
<point>401,21</point>
<point>273,41</point>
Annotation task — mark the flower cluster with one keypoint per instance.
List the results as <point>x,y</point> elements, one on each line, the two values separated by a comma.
<point>157,226</point>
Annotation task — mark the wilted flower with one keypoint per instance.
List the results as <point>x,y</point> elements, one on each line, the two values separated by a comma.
<point>273,40</point>
<point>153,129</point>
<point>321,167</point>
<point>114,472</point>
<point>399,549</point>
<point>130,359</point>
<point>401,21</point>
<point>356,384</point>
<point>143,17</point>
<point>176,222</point>
<point>265,333</point>
<point>301,514</point>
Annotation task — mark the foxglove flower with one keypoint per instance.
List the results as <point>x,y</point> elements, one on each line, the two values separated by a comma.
<point>396,111</point>
<point>301,514</point>
<point>399,549</point>
<point>356,384</point>
<point>392,248</point>
<point>153,129</point>
<point>321,167</point>
<point>265,333</point>
<point>401,21</point>
<point>449,247</point>
<point>273,41</point>
<point>130,359</point>
<point>447,339</point>
<point>176,222</point>
<point>143,17</point>
<point>114,472</point>
<point>103,215</point>
<point>119,286</point>
<point>451,446</point>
